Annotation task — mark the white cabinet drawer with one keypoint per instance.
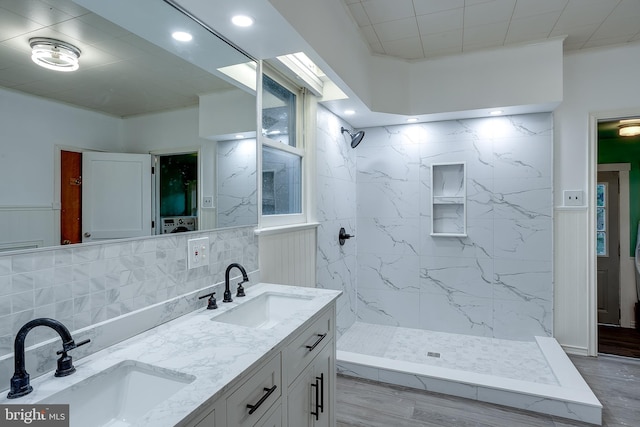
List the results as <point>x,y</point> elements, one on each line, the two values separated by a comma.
<point>252,400</point>
<point>307,345</point>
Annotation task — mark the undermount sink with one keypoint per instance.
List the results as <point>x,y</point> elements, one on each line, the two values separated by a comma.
<point>120,394</point>
<point>264,311</point>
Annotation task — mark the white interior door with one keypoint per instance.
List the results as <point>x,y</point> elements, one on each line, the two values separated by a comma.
<point>116,195</point>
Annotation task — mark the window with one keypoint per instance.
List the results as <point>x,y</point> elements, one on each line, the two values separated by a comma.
<point>278,112</point>
<point>601,219</point>
<point>282,153</point>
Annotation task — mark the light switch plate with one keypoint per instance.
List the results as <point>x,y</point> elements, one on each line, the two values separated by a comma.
<point>197,252</point>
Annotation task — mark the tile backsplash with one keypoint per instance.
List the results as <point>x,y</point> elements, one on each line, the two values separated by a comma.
<point>85,285</point>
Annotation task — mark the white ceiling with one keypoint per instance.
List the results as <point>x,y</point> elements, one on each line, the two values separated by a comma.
<point>419,29</point>
<point>124,75</point>
<point>120,73</point>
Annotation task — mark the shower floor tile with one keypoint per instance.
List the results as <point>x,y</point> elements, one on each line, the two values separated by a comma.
<point>519,360</point>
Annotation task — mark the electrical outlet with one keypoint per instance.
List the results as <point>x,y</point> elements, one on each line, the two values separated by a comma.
<point>207,202</point>
<point>573,198</point>
<point>198,252</point>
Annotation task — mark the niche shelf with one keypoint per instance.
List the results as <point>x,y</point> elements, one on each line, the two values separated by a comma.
<point>448,199</point>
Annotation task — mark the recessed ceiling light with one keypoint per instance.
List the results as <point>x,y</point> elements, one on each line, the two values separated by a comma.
<point>412,120</point>
<point>242,21</point>
<point>349,112</point>
<point>239,136</point>
<point>182,36</point>
<point>495,112</point>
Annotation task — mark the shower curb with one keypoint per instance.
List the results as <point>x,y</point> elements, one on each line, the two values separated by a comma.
<point>571,398</point>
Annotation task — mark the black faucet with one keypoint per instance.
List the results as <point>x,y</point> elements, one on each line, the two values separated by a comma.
<point>20,380</point>
<point>245,278</point>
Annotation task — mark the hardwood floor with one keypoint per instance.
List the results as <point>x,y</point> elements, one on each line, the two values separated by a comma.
<point>362,403</point>
<point>618,341</point>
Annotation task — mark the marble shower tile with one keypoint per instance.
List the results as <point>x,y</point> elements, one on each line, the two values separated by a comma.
<point>388,307</point>
<point>335,158</point>
<point>518,319</point>
<point>523,158</point>
<point>389,271</point>
<point>529,239</point>
<point>389,235</point>
<point>523,198</point>
<point>456,313</point>
<point>389,199</point>
<point>336,199</point>
<point>399,163</point>
<point>454,277</point>
<point>522,281</point>
<point>477,244</point>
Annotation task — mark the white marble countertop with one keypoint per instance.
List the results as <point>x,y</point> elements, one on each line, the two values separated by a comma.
<point>215,353</point>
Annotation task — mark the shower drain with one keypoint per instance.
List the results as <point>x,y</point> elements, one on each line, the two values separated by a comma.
<point>433,354</point>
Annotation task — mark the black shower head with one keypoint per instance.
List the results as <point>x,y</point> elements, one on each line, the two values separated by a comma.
<point>355,137</point>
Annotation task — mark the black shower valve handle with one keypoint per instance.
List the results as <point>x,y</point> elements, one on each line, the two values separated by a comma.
<point>343,236</point>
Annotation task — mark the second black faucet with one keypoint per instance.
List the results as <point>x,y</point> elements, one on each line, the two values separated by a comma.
<point>227,291</point>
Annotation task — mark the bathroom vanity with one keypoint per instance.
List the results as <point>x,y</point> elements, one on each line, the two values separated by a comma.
<point>267,359</point>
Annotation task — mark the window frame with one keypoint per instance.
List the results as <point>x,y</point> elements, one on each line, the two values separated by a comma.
<point>280,220</point>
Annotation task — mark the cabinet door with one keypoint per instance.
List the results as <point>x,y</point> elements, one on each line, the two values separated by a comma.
<point>252,400</point>
<point>208,421</point>
<point>310,397</point>
<point>272,420</point>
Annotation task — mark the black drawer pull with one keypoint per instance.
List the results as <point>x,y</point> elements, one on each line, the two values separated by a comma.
<point>321,405</point>
<point>254,408</point>
<point>317,412</point>
<point>315,344</point>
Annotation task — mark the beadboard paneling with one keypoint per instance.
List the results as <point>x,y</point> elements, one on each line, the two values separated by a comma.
<point>571,280</point>
<point>289,257</point>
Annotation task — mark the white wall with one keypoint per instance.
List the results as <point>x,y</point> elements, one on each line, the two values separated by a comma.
<point>32,128</point>
<point>599,81</point>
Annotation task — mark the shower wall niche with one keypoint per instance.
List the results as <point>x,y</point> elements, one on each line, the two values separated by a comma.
<point>448,199</point>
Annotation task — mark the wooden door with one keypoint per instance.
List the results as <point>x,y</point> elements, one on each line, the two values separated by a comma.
<point>608,248</point>
<point>71,197</point>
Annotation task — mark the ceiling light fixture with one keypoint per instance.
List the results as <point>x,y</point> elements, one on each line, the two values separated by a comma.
<point>242,21</point>
<point>495,113</point>
<point>54,54</point>
<point>182,36</point>
<point>629,129</point>
<point>412,120</point>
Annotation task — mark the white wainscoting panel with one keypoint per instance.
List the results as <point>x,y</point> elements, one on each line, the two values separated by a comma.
<point>25,227</point>
<point>289,257</point>
<point>571,276</point>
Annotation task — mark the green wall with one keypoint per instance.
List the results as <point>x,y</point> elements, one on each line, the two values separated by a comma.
<point>625,150</point>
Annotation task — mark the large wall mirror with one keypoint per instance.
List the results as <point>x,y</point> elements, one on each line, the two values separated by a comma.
<point>78,146</point>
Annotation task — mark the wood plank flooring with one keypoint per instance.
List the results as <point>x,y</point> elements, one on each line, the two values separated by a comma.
<point>619,341</point>
<point>364,403</point>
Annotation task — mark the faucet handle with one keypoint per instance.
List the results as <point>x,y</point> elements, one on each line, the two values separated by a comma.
<point>240,292</point>
<point>211,302</point>
<point>65,363</point>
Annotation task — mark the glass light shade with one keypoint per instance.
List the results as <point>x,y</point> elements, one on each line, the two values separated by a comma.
<point>54,54</point>
<point>629,130</point>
